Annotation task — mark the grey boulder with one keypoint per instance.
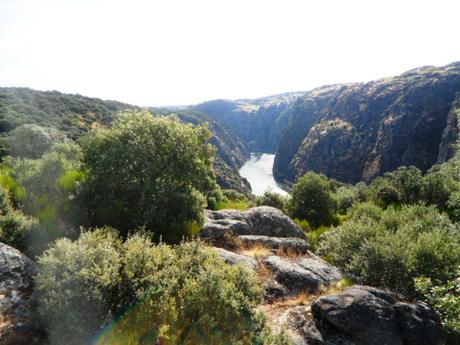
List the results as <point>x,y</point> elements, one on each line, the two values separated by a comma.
<point>236,259</point>
<point>365,315</point>
<point>263,220</point>
<point>307,273</point>
<point>277,243</point>
<point>16,286</point>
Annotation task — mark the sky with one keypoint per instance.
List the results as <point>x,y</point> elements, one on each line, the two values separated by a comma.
<point>179,52</point>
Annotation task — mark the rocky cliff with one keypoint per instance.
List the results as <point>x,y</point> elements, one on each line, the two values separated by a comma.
<point>258,122</point>
<point>358,131</point>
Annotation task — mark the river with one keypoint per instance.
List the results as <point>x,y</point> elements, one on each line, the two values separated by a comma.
<point>259,172</point>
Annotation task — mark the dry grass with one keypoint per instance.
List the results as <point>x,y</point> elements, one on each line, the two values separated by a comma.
<point>257,251</point>
<point>289,253</point>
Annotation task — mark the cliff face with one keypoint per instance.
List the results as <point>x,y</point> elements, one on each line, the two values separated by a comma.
<point>257,122</point>
<point>358,131</point>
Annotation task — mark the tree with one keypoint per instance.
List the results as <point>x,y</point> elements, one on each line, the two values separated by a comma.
<point>32,141</point>
<point>402,186</point>
<point>312,200</point>
<point>148,171</point>
<point>157,294</point>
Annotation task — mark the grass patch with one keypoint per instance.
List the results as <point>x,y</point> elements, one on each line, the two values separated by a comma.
<point>237,205</point>
<point>257,251</point>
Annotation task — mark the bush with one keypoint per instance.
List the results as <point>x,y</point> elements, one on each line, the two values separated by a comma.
<point>312,200</point>
<point>390,248</point>
<point>402,186</point>
<point>273,199</point>
<point>157,293</point>
<point>148,171</point>
<point>446,299</point>
<point>232,199</point>
<point>345,197</point>
<point>32,141</point>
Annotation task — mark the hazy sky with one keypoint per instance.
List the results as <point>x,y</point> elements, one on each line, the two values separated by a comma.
<point>173,52</point>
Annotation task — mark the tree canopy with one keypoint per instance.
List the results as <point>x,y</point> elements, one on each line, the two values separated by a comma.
<point>148,171</point>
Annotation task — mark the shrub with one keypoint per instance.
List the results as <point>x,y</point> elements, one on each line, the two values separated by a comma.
<point>146,293</point>
<point>273,199</point>
<point>312,200</point>
<point>32,141</point>
<point>148,171</point>
<point>232,199</point>
<point>345,197</point>
<point>446,299</point>
<point>390,248</point>
<point>402,186</point>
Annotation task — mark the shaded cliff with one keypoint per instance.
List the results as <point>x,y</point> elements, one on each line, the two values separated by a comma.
<point>358,131</point>
<point>258,122</point>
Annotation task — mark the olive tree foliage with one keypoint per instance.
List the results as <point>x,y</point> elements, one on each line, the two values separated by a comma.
<point>32,141</point>
<point>148,171</point>
<point>158,294</point>
<point>312,200</point>
<point>391,247</point>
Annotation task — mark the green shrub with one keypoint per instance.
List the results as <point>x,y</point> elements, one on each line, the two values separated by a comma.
<point>345,197</point>
<point>232,199</point>
<point>314,236</point>
<point>148,171</point>
<point>312,200</point>
<point>402,186</point>
<point>145,293</point>
<point>273,199</point>
<point>390,248</point>
<point>32,141</point>
<point>446,299</point>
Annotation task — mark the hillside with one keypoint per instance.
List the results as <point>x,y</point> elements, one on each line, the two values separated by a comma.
<point>258,122</point>
<point>76,115</point>
<point>359,131</point>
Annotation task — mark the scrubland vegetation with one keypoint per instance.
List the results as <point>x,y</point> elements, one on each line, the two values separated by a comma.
<point>110,218</point>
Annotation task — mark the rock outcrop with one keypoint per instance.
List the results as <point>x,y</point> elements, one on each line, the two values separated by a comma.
<point>362,315</point>
<point>263,220</point>
<point>269,244</point>
<point>358,131</point>
<point>303,274</point>
<point>16,285</point>
<point>232,258</point>
<point>286,244</point>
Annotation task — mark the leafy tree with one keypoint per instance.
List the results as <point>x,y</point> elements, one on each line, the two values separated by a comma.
<point>312,200</point>
<point>32,141</point>
<point>148,171</point>
<point>437,188</point>
<point>157,294</point>
<point>390,248</point>
<point>402,186</point>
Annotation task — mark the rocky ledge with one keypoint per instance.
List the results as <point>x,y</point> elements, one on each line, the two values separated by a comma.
<point>305,295</point>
